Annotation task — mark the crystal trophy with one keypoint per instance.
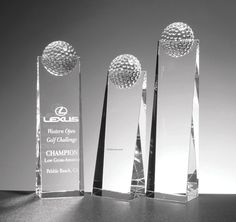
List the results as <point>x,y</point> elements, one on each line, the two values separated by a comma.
<point>174,137</point>
<point>59,157</point>
<point>119,171</point>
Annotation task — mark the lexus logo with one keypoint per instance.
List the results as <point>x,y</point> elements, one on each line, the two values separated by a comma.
<point>61,111</point>
<point>61,117</point>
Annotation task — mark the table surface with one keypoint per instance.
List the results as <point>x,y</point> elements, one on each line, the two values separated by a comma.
<point>25,206</point>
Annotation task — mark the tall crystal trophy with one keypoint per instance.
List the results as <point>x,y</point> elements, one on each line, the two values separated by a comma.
<point>59,157</point>
<point>174,143</point>
<point>119,171</point>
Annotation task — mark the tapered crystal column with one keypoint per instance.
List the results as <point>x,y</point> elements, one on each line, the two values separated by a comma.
<point>138,177</point>
<point>59,157</point>
<point>174,142</point>
<point>119,166</point>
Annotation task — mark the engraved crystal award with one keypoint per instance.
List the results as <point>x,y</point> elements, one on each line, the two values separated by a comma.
<point>59,165</point>
<point>173,155</point>
<point>119,169</point>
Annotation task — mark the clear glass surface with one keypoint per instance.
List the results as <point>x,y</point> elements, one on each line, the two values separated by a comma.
<point>119,169</point>
<point>59,163</point>
<point>174,144</point>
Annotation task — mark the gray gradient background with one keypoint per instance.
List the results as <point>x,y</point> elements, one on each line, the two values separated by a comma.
<point>99,31</point>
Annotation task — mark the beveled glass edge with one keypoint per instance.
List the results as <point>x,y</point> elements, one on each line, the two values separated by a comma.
<point>38,162</point>
<point>61,194</point>
<point>178,198</point>
<point>112,194</point>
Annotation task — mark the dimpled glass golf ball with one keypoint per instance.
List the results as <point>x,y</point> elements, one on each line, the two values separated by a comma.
<point>177,39</point>
<point>124,71</point>
<point>59,58</point>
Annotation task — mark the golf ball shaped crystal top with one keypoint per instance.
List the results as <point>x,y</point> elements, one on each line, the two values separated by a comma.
<point>59,58</point>
<point>124,71</point>
<point>177,39</point>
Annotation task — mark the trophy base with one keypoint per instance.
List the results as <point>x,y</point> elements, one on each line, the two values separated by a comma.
<point>113,194</point>
<point>180,198</point>
<point>60,194</point>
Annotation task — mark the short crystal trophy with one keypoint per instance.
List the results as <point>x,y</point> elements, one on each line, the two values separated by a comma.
<point>119,171</point>
<point>59,157</point>
<point>174,137</point>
